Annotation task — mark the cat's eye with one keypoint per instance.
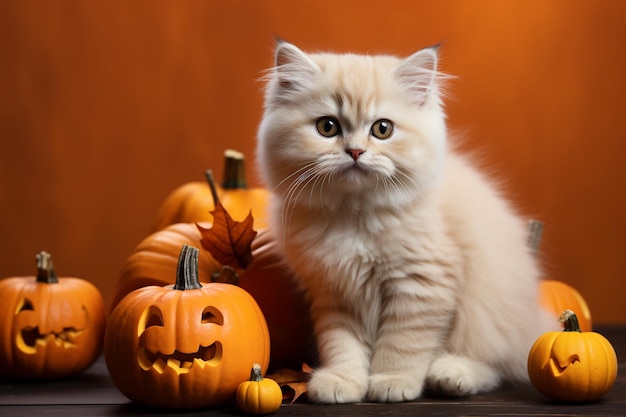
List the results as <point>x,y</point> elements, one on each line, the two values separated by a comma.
<point>328,126</point>
<point>382,129</point>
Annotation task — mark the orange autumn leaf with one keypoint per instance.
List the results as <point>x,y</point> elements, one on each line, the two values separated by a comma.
<point>284,376</point>
<point>292,382</point>
<point>294,390</point>
<point>229,241</point>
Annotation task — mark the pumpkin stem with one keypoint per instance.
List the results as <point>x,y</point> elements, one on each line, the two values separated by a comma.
<point>535,230</point>
<point>255,373</point>
<point>234,170</point>
<point>211,181</point>
<point>45,270</point>
<point>187,270</point>
<point>570,321</point>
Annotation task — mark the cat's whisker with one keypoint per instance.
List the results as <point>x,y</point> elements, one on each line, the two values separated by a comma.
<point>403,182</point>
<point>327,179</point>
<point>389,185</point>
<point>293,174</point>
<point>312,178</point>
<point>319,183</point>
<point>309,173</point>
<point>318,178</point>
<point>377,183</point>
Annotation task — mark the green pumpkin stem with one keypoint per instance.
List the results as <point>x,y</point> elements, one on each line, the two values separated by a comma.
<point>234,170</point>
<point>255,373</point>
<point>570,321</point>
<point>187,270</point>
<point>45,270</point>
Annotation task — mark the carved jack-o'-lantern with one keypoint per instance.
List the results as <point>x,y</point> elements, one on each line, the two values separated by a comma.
<point>572,365</point>
<point>53,327</point>
<point>187,345</point>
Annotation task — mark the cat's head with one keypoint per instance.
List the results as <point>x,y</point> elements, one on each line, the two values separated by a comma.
<point>351,129</point>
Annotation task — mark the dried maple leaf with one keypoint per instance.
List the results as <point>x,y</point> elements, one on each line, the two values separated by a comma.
<point>292,382</point>
<point>229,241</point>
<point>293,390</point>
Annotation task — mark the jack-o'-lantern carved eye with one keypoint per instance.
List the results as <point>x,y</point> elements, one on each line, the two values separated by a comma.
<point>25,305</point>
<point>212,315</point>
<point>152,316</point>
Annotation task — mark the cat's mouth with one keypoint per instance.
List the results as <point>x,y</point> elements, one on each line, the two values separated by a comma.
<point>357,167</point>
<point>354,178</point>
<point>356,171</point>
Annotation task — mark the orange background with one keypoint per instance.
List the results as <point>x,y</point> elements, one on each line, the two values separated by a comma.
<point>107,106</point>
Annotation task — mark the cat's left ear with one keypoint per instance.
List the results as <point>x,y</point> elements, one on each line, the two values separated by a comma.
<point>419,74</point>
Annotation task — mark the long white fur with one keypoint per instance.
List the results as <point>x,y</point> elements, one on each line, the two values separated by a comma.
<point>415,266</point>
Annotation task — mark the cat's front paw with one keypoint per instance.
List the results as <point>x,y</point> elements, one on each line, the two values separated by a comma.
<point>458,376</point>
<point>333,387</point>
<point>390,388</point>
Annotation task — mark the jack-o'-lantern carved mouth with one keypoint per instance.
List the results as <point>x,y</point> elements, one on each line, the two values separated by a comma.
<point>180,362</point>
<point>30,337</point>
<point>558,368</point>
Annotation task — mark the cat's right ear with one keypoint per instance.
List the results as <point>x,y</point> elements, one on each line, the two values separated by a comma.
<point>419,74</point>
<point>294,70</point>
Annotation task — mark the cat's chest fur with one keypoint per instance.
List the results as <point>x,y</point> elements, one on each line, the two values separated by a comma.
<point>358,249</point>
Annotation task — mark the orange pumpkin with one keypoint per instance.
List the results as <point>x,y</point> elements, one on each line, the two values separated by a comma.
<point>53,327</point>
<point>193,201</point>
<point>258,395</point>
<point>272,285</point>
<point>187,345</point>
<point>266,279</point>
<point>557,296</point>
<point>572,365</point>
<point>154,260</point>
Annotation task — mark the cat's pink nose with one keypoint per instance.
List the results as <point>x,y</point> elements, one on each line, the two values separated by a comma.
<point>355,153</point>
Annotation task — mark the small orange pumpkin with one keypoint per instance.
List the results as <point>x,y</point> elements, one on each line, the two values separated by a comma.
<point>187,345</point>
<point>54,326</point>
<point>193,201</point>
<point>572,365</point>
<point>557,296</point>
<point>259,395</point>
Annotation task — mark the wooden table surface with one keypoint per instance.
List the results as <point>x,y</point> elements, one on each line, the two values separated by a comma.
<point>93,394</point>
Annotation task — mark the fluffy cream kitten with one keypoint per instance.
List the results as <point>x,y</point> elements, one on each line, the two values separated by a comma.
<point>416,269</point>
